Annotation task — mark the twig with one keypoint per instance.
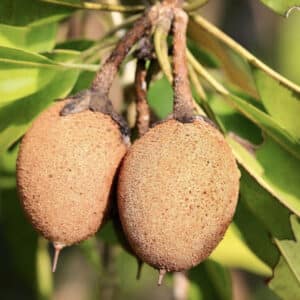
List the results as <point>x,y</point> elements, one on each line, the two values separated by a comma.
<point>210,28</point>
<point>143,111</point>
<point>107,40</point>
<point>99,6</point>
<point>96,98</point>
<point>183,100</point>
<point>105,77</point>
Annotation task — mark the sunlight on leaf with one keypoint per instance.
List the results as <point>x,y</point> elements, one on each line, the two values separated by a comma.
<point>274,169</point>
<point>281,103</point>
<point>266,123</point>
<point>286,280</point>
<point>234,70</point>
<point>233,252</point>
<point>22,13</point>
<point>23,73</point>
<point>31,38</point>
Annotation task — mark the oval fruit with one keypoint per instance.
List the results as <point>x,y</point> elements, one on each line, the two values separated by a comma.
<point>65,170</point>
<point>177,193</point>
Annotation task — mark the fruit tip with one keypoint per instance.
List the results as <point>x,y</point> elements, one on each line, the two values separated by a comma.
<point>139,269</point>
<point>57,248</point>
<point>161,276</point>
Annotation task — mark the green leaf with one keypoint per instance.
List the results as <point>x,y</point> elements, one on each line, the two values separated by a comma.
<point>160,97</point>
<point>290,251</point>
<point>281,103</point>
<point>210,280</point>
<point>288,48</point>
<point>271,213</point>
<point>295,227</point>
<point>284,283</point>
<point>20,241</point>
<point>8,161</point>
<point>274,169</point>
<point>221,279</point>
<point>255,234</point>
<point>31,38</point>
<point>233,252</point>
<point>23,73</point>
<point>266,123</point>
<point>268,217</point>
<point>18,116</point>
<point>281,6</point>
<point>286,280</point>
<point>15,118</point>
<point>62,55</point>
<point>78,45</point>
<point>22,13</point>
<point>233,121</point>
<point>206,58</point>
<point>84,81</point>
<point>235,69</point>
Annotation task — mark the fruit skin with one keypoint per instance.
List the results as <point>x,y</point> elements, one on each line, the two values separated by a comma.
<point>65,170</point>
<point>177,193</point>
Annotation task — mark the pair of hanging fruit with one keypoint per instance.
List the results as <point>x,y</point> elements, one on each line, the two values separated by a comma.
<point>177,184</point>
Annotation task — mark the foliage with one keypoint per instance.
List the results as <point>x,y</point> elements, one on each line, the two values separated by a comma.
<point>258,113</point>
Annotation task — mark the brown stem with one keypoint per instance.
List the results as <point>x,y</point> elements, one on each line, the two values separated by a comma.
<point>143,111</point>
<point>96,98</point>
<point>183,100</point>
<point>106,75</point>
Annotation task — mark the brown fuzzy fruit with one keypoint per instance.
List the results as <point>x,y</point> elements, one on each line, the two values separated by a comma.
<point>65,170</point>
<point>177,193</point>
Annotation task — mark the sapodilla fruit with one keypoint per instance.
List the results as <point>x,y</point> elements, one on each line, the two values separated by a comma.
<point>65,170</point>
<point>177,193</point>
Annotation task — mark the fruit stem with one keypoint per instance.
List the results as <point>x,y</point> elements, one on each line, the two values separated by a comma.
<point>143,111</point>
<point>161,276</point>
<point>183,99</point>
<point>106,75</point>
<point>57,248</point>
